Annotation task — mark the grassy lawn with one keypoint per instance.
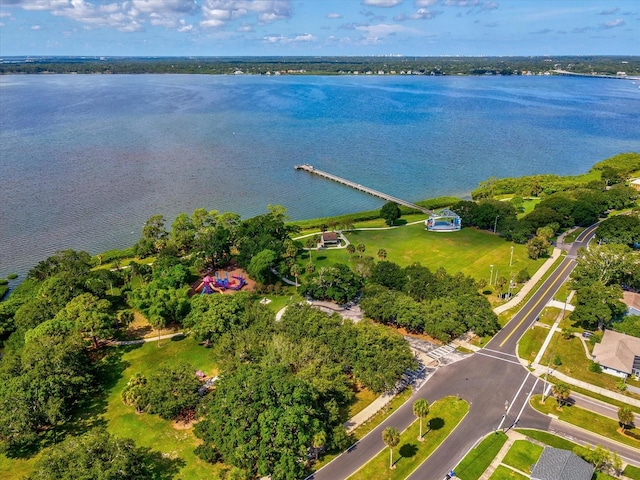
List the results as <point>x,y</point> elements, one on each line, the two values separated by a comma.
<point>150,430</point>
<point>470,251</point>
<point>479,458</point>
<point>549,315</point>
<point>575,363</point>
<point>548,438</point>
<point>175,444</point>
<point>504,473</point>
<point>444,416</point>
<point>522,455</point>
<point>586,419</point>
<point>632,472</point>
<point>528,206</point>
<point>571,237</point>
<point>374,421</point>
<point>530,343</point>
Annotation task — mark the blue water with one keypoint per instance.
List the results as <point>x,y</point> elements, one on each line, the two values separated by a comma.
<point>85,160</point>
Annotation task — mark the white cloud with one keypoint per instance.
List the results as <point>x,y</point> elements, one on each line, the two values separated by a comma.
<point>382,3</point>
<point>4,14</point>
<point>281,39</point>
<point>618,22</point>
<point>36,27</point>
<point>425,3</point>
<point>133,15</point>
<point>334,15</point>
<point>216,13</point>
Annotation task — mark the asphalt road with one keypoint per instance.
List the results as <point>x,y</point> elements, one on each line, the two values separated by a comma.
<point>497,388</point>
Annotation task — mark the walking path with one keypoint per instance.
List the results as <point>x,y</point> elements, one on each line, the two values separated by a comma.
<point>146,339</point>
<point>524,291</point>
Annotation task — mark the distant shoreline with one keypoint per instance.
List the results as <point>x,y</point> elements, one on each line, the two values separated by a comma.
<point>620,66</point>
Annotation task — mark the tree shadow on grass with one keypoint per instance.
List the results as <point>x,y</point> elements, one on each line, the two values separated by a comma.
<point>408,450</point>
<point>164,468</point>
<point>436,423</point>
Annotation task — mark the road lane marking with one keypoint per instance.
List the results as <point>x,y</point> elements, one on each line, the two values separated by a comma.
<point>537,303</point>
<point>481,352</point>
<point>501,353</point>
<point>526,402</point>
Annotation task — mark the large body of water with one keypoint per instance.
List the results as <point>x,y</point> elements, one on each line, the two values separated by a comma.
<point>85,160</point>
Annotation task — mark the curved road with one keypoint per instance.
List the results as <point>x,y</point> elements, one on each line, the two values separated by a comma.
<point>496,385</point>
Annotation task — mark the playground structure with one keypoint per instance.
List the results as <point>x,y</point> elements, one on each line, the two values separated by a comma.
<point>443,221</point>
<point>218,284</point>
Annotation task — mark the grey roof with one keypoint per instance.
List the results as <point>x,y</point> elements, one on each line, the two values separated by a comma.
<point>617,351</point>
<point>557,464</point>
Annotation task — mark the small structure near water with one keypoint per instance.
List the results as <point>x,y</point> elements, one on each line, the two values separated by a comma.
<point>444,220</point>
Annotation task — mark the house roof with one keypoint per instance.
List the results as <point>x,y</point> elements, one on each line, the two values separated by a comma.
<point>557,464</point>
<point>329,236</point>
<point>631,299</point>
<point>617,351</point>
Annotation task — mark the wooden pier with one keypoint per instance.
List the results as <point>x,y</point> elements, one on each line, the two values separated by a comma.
<point>389,198</point>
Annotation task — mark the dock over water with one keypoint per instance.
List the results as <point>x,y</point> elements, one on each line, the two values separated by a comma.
<point>389,198</point>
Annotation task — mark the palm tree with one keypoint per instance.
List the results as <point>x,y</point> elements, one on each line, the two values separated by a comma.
<point>421,410</point>
<point>319,439</point>
<point>391,437</point>
<point>382,254</point>
<point>351,249</point>
<point>310,268</point>
<point>561,392</point>
<point>311,244</point>
<point>500,283</point>
<point>295,271</point>
<point>360,248</point>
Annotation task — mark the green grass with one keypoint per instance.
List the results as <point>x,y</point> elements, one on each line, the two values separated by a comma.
<point>504,473</point>
<point>470,251</point>
<point>530,343</point>
<point>445,414</point>
<point>632,472</point>
<point>522,455</point>
<point>150,430</point>
<point>374,421</point>
<point>479,458</point>
<point>146,430</point>
<point>582,418</point>
<point>548,439</point>
<point>549,315</point>
<point>528,206</point>
<point>576,365</point>
<point>571,237</point>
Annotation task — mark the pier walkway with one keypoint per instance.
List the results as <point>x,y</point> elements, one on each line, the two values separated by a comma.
<point>309,168</point>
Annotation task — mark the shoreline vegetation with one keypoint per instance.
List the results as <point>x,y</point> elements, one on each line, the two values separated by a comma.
<point>59,327</point>
<point>613,66</point>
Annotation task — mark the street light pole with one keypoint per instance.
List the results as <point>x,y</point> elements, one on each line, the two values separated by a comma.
<point>491,275</point>
<point>495,224</point>
<point>511,258</point>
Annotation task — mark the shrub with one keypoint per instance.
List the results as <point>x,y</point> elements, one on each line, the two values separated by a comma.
<point>3,281</point>
<point>594,367</point>
<point>12,276</point>
<point>523,276</point>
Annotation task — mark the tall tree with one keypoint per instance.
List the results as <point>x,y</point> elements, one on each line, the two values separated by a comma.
<point>390,212</point>
<point>421,410</point>
<point>391,438</point>
<point>97,455</point>
<point>561,391</point>
<point>625,417</point>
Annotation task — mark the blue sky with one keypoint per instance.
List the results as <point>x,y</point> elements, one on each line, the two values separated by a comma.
<point>319,27</point>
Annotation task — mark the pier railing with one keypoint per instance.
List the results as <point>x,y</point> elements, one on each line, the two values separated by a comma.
<point>390,198</point>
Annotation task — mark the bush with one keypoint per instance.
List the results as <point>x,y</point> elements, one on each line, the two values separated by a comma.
<point>12,276</point>
<point>523,276</point>
<point>594,367</point>
<point>207,453</point>
<point>3,281</point>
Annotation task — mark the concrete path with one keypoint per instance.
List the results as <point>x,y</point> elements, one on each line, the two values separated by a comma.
<point>146,339</point>
<point>512,436</point>
<point>527,287</point>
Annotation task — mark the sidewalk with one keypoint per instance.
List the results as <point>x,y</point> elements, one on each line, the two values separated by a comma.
<point>524,291</point>
<point>497,460</point>
<point>368,412</point>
